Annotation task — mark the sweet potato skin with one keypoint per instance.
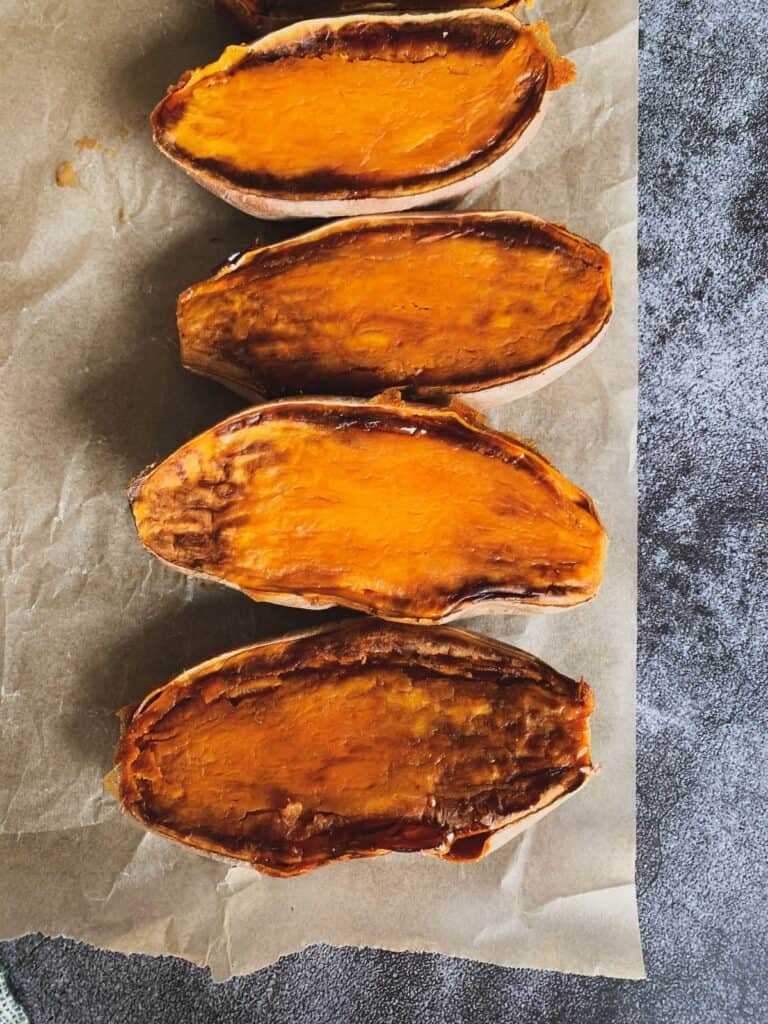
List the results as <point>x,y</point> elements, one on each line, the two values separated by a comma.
<point>267,164</point>
<point>352,741</point>
<point>257,16</point>
<point>414,513</point>
<point>367,304</point>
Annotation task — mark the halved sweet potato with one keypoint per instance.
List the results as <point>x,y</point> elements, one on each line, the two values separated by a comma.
<point>262,15</point>
<point>410,512</point>
<point>353,741</point>
<point>486,305</point>
<point>360,115</point>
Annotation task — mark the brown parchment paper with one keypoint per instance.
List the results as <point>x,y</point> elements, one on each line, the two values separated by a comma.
<point>91,390</point>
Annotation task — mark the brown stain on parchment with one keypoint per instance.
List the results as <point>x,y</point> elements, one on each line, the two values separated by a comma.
<point>66,176</point>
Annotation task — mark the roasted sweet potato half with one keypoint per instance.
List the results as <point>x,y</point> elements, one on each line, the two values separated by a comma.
<point>364,114</point>
<point>264,15</point>
<point>485,305</point>
<point>354,741</point>
<point>409,512</point>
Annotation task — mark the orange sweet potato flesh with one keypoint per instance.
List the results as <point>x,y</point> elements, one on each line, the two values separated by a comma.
<point>360,107</point>
<point>258,15</point>
<point>434,303</point>
<point>409,512</point>
<point>354,741</point>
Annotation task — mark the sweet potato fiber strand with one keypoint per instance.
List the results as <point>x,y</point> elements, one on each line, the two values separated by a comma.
<point>353,741</point>
<point>409,512</point>
<point>435,303</point>
<point>357,107</point>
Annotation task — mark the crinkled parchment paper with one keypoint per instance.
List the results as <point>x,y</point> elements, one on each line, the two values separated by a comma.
<point>100,234</point>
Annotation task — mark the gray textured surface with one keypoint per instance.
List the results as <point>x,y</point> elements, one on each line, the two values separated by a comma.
<point>701,788</point>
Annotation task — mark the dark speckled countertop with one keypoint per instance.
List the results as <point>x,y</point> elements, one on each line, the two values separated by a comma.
<point>702,658</point>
